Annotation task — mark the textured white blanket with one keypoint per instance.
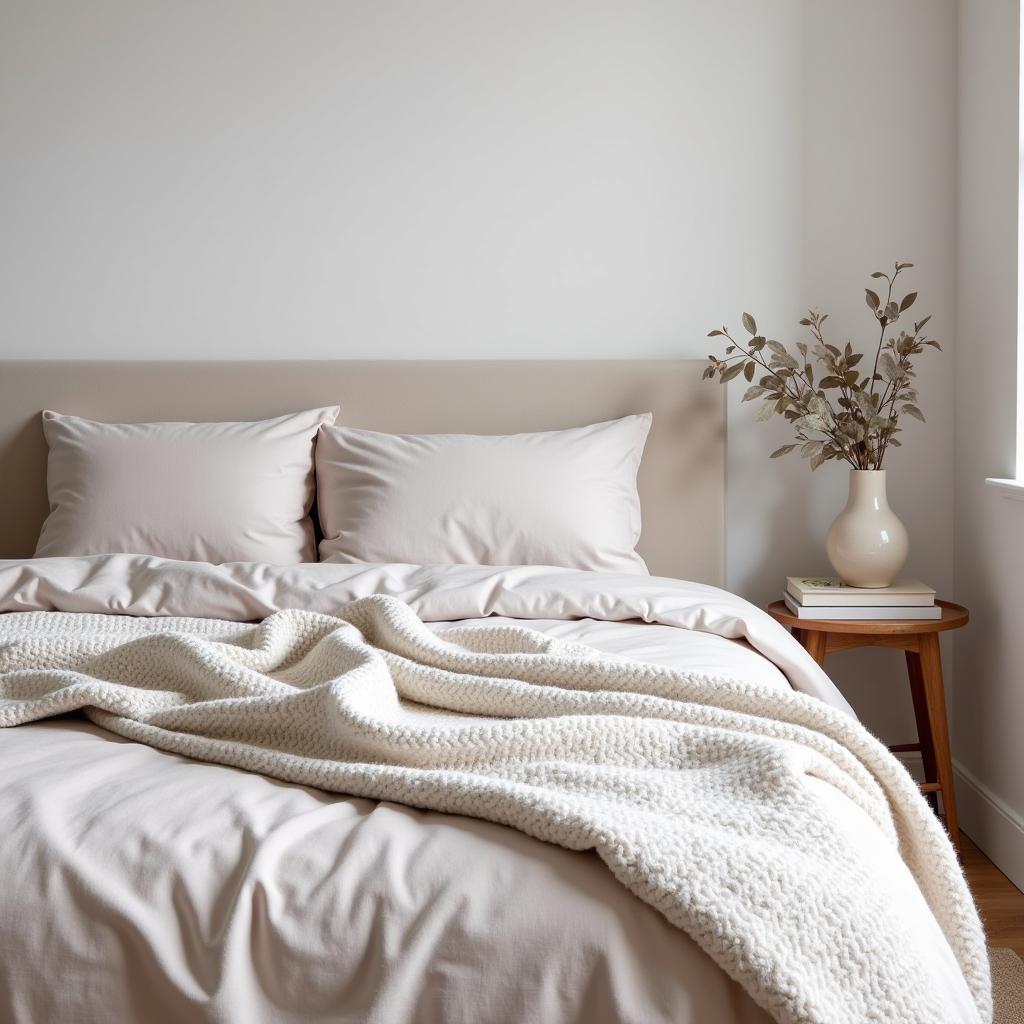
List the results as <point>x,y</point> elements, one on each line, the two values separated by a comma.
<point>712,799</point>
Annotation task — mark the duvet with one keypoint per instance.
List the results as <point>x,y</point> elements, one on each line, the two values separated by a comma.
<point>145,885</point>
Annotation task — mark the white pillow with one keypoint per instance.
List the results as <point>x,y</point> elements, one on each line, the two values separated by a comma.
<point>202,492</point>
<point>563,497</point>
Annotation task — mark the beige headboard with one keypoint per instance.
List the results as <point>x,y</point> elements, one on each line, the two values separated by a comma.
<point>682,479</point>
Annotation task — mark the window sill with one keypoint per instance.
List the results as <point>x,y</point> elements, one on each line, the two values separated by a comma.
<point>1013,489</point>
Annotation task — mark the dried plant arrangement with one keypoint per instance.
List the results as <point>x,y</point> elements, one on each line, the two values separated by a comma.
<point>845,414</point>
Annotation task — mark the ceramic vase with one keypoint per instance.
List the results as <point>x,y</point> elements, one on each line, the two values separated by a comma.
<point>867,543</point>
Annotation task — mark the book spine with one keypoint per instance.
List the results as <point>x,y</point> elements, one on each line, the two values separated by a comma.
<point>863,614</point>
<point>825,600</point>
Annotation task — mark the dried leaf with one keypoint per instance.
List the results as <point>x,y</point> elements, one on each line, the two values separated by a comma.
<point>817,406</point>
<point>864,403</point>
<point>912,410</point>
<point>715,334</point>
<point>908,301</point>
<point>749,324</point>
<point>812,423</point>
<point>733,371</point>
<point>784,450</point>
<point>871,298</point>
<point>753,392</point>
<point>748,369</point>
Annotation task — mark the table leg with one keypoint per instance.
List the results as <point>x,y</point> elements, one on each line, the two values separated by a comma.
<point>930,662</point>
<point>924,729</point>
<point>815,644</point>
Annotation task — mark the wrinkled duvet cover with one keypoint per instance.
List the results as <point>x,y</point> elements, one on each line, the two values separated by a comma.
<point>140,885</point>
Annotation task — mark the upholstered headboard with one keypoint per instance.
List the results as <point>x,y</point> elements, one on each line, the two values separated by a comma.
<point>682,479</point>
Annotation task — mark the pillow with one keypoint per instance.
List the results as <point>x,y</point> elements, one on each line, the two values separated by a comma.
<point>563,497</point>
<point>201,492</point>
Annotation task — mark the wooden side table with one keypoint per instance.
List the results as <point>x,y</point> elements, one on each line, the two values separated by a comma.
<point>919,638</point>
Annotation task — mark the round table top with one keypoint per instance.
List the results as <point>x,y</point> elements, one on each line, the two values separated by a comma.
<point>953,617</point>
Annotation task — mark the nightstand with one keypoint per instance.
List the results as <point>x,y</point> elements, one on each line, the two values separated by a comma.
<point>919,639</point>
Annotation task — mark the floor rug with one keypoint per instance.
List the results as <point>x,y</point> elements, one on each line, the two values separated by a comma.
<point>1007,986</point>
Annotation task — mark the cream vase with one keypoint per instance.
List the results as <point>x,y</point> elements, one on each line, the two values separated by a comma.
<point>867,543</point>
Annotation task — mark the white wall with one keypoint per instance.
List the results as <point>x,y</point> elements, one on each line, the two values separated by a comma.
<point>988,713</point>
<point>471,179</point>
<point>461,179</point>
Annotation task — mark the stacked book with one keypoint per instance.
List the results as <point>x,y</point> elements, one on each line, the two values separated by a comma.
<point>828,597</point>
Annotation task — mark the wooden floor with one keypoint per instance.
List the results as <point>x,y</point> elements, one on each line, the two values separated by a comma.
<point>1001,903</point>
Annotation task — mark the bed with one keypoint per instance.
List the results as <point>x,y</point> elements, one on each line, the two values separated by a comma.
<point>158,872</point>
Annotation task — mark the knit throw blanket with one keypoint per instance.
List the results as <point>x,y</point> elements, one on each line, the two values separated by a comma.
<point>738,812</point>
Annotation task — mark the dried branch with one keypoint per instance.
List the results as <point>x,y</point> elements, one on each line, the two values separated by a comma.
<point>861,423</point>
